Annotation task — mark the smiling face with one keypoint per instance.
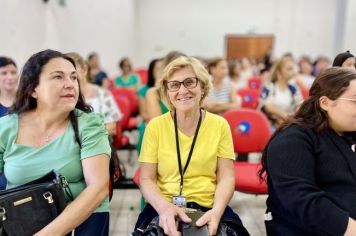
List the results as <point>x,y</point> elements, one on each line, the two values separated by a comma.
<point>185,99</point>
<point>58,87</point>
<point>8,78</point>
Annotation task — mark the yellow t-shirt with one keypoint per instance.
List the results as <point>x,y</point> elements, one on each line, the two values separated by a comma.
<point>159,146</point>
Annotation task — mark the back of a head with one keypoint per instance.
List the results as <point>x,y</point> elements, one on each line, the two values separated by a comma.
<point>171,56</point>
<point>79,61</point>
<point>341,58</point>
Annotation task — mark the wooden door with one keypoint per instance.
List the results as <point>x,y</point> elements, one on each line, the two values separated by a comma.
<point>238,46</point>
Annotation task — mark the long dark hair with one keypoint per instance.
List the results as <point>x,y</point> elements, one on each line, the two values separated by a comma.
<point>331,83</point>
<point>151,80</point>
<point>29,80</point>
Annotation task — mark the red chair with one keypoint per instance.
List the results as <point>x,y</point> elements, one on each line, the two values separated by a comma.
<point>129,108</point>
<point>130,94</point>
<point>255,82</point>
<point>143,73</point>
<point>136,178</point>
<point>121,141</point>
<point>250,133</point>
<point>250,98</point>
<point>304,92</point>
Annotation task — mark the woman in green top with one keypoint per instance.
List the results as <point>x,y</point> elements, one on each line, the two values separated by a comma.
<point>51,127</point>
<point>127,79</point>
<point>154,69</point>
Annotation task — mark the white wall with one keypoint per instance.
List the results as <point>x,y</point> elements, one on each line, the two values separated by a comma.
<point>105,26</point>
<point>144,29</point>
<point>350,34</point>
<point>198,27</point>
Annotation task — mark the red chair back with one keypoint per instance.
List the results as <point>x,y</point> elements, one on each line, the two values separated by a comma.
<point>124,105</point>
<point>250,133</point>
<point>143,73</point>
<point>250,98</point>
<point>136,178</point>
<point>304,92</point>
<point>250,130</point>
<point>255,82</point>
<point>130,94</point>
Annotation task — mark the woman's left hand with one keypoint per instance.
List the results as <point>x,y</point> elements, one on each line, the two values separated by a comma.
<point>210,218</point>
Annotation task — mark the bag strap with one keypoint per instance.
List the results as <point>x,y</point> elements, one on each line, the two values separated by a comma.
<point>2,213</point>
<point>66,187</point>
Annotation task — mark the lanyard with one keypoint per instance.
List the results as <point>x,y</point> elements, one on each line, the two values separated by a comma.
<point>181,172</point>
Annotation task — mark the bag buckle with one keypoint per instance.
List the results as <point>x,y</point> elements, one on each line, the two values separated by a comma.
<point>2,213</point>
<point>48,197</point>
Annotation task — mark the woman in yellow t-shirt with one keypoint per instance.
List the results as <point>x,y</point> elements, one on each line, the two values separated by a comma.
<point>187,155</point>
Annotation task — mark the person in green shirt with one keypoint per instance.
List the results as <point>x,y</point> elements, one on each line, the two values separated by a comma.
<point>51,127</point>
<point>127,79</point>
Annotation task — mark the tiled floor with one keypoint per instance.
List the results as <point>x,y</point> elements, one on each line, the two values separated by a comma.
<point>125,206</point>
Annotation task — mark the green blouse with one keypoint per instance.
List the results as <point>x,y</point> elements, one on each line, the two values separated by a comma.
<point>22,163</point>
<point>131,82</point>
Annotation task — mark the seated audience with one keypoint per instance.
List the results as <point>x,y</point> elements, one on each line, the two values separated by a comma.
<point>345,60</point>
<point>320,64</point>
<point>51,127</point>
<point>279,97</point>
<point>97,75</point>
<point>237,81</point>
<point>208,187</point>
<point>305,78</point>
<point>223,96</point>
<point>311,162</point>
<point>97,97</point>
<point>154,69</point>
<point>127,79</point>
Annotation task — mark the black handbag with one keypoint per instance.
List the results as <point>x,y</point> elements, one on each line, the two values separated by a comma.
<point>26,209</point>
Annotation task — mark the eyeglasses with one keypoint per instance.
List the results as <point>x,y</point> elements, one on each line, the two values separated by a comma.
<point>348,99</point>
<point>189,83</point>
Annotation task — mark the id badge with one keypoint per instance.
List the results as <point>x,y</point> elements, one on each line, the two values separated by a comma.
<point>179,200</point>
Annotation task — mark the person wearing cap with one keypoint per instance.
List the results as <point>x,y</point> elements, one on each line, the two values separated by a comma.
<point>346,60</point>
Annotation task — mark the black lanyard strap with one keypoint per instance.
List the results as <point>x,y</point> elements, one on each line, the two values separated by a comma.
<point>181,172</point>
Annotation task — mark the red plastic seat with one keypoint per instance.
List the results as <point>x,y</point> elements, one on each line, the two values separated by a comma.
<point>250,98</point>
<point>136,178</point>
<point>255,82</point>
<point>247,180</point>
<point>250,133</point>
<point>124,105</point>
<point>143,73</point>
<point>304,92</point>
<point>130,94</point>
<point>121,141</point>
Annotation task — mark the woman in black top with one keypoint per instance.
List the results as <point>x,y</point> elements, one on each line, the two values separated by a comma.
<point>311,162</point>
